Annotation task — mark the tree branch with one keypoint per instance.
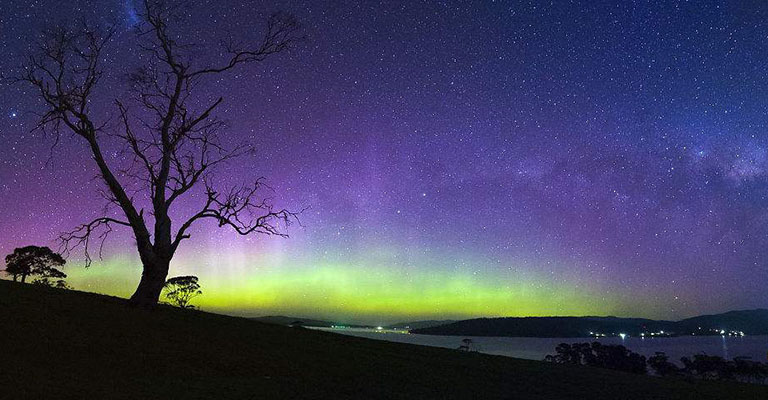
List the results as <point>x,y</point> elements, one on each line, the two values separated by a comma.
<point>81,236</point>
<point>241,210</point>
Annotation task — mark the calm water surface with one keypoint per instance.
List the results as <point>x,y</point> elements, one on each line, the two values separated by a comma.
<point>755,347</point>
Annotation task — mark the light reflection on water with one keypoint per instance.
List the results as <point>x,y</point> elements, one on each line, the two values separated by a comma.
<point>755,347</point>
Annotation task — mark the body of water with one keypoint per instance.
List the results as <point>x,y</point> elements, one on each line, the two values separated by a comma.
<point>755,347</point>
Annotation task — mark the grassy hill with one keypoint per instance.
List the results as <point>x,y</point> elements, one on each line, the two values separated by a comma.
<point>73,345</point>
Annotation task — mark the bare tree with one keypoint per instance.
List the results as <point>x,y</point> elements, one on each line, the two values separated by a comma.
<point>173,143</point>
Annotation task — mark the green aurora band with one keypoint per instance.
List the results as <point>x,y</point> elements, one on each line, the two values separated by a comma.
<point>355,292</point>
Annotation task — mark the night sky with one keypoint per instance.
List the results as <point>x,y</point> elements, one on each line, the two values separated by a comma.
<point>460,159</point>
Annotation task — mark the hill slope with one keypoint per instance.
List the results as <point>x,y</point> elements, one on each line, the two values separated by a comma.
<point>72,345</point>
<point>751,322</point>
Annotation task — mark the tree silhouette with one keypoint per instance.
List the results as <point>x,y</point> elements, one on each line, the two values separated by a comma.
<point>35,261</point>
<point>171,136</point>
<point>661,364</point>
<point>599,355</point>
<point>181,290</point>
<point>466,344</point>
<point>52,278</point>
<point>709,367</point>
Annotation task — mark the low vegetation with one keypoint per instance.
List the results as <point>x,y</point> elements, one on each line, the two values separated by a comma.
<point>700,366</point>
<point>599,355</point>
<point>72,345</point>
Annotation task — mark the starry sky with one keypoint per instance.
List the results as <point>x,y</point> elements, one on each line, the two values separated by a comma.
<point>459,159</point>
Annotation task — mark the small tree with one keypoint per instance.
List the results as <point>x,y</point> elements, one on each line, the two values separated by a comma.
<point>35,261</point>
<point>466,345</point>
<point>61,284</point>
<point>180,290</point>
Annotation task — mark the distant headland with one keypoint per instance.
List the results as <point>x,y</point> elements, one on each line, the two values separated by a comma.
<point>732,323</point>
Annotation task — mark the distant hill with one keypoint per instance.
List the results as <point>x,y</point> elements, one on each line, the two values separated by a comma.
<point>283,320</point>
<point>750,322</point>
<point>420,324</point>
<point>544,326</point>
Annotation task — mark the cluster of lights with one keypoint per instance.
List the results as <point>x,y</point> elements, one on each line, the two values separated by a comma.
<point>723,332</point>
<point>661,333</point>
<point>599,335</point>
<point>654,334</point>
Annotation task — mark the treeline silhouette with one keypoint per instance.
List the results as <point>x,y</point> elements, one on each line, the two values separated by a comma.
<point>700,366</point>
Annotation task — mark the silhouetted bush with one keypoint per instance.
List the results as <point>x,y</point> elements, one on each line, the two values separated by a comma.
<point>709,367</point>
<point>700,366</point>
<point>467,345</point>
<point>598,355</point>
<point>717,368</point>
<point>750,371</point>
<point>180,290</point>
<point>660,364</point>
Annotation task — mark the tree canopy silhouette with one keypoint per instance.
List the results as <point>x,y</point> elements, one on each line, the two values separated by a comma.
<point>37,261</point>
<point>599,355</point>
<point>180,290</point>
<point>170,135</point>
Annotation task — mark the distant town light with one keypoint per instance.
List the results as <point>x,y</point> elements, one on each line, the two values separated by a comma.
<point>622,335</point>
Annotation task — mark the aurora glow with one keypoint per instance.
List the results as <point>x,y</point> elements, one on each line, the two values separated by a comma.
<point>459,159</point>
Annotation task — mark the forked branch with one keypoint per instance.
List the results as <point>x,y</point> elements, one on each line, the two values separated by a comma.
<point>243,210</point>
<point>83,234</point>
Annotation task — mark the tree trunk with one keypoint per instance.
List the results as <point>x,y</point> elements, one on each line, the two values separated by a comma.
<point>152,281</point>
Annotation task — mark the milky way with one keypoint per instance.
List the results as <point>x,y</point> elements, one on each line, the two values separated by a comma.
<point>459,159</point>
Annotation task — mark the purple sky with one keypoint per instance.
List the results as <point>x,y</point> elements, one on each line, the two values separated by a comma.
<point>619,150</point>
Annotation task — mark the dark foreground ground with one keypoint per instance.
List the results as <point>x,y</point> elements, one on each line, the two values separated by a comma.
<point>72,345</point>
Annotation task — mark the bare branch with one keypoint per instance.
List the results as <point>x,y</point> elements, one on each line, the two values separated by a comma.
<point>82,235</point>
<point>282,34</point>
<point>242,210</point>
